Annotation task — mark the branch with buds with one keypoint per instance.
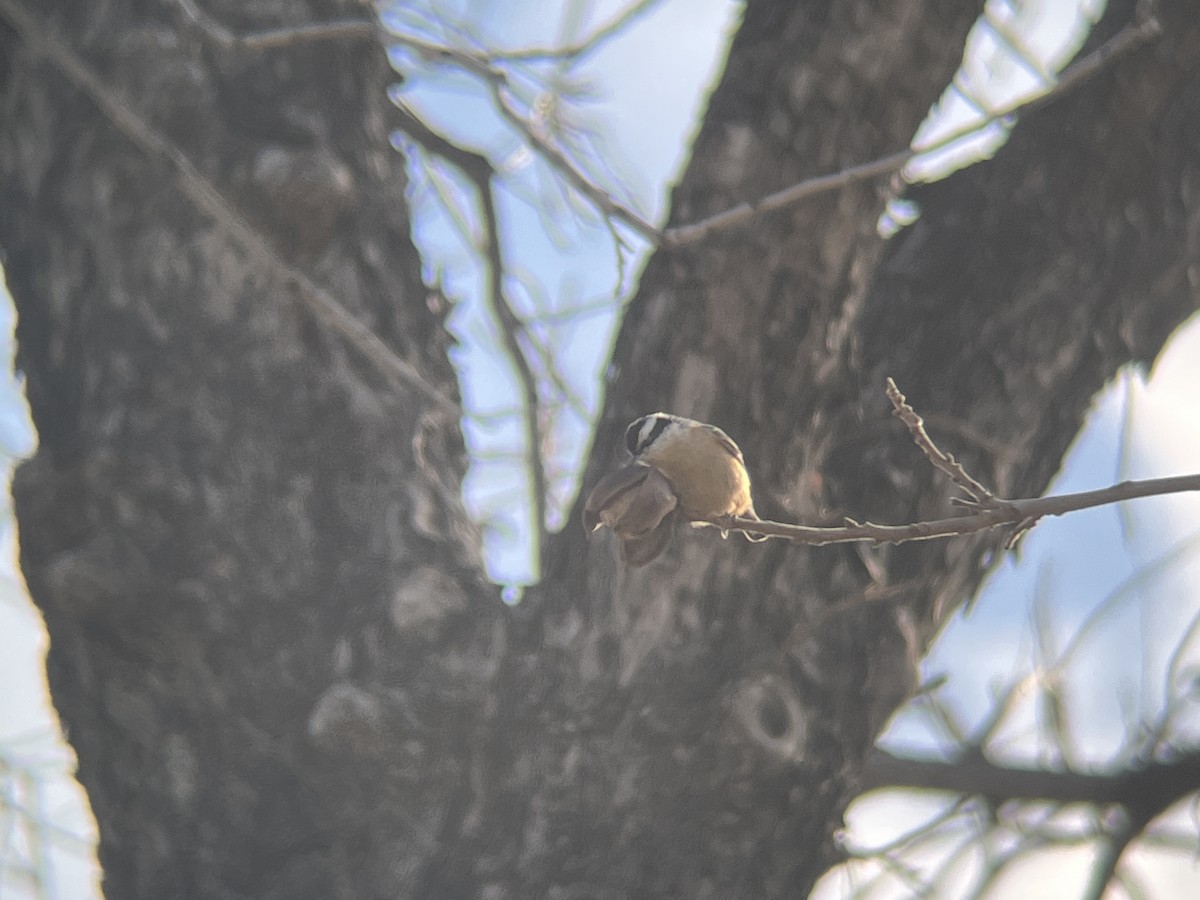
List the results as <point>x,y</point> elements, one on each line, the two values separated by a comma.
<point>642,512</point>
<point>986,510</point>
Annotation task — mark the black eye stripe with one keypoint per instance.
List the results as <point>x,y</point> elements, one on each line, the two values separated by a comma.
<point>660,425</point>
<point>631,436</point>
<point>634,442</point>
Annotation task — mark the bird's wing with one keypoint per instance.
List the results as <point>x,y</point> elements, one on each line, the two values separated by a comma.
<point>726,442</point>
<point>607,489</point>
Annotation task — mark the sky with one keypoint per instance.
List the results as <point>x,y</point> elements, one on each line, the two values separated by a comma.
<point>1144,425</point>
<point>1105,566</point>
<point>564,263</point>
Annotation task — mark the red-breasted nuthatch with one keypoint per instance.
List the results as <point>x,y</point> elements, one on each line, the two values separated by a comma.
<point>703,464</point>
<point>698,473</point>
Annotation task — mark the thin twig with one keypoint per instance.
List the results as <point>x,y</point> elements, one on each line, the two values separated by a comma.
<point>1052,686</point>
<point>1016,48</point>
<point>1012,512</point>
<point>921,843</point>
<point>1128,39</point>
<point>1102,612</point>
<point>989,511</point>
<point>986,730</point>
<point>1105,866</point>
<point>479,171</point>
<point>1140,579</point>
<point>483,65</point>
<point>579,49</point>
<point>599,197</point>
<point>1156,734</point>
<point>510,329</point>
<point>206,196</point>
<point>609,303</point>
<point>498,85</point>
<point>545,356</point>
<point>938,709</point>
<point>940,459</point>
<point>339,29</point>
<point>273,38</point>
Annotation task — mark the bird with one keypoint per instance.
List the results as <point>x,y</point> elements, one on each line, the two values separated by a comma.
<point>704,466</point>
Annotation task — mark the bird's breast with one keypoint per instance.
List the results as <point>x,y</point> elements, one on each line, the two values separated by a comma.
<point>708,485</point>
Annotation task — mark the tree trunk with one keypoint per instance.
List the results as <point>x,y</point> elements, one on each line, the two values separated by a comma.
<point>244,541</point>
<point>272,645</point>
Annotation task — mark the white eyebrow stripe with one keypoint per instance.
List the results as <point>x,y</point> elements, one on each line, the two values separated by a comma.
<point>654,425</point>
<point>644,431</point>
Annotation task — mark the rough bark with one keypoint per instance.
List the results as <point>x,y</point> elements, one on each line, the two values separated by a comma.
<point>271,643</point>
<point>242,538</point>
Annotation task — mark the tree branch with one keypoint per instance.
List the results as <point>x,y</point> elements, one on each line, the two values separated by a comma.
<point>510,328</point>
<point>1011,512</point>
<point>484,65</point>
<point>1144,791</point>
<point>990,511</point>
<point>577,49</point>
<point>479,171</point>
<point>938,457</point>
<point>272,38</point>
<point>1082,71</point>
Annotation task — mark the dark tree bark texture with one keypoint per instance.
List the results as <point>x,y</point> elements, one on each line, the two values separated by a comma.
<point>272,645</point>
<point>242,539</point>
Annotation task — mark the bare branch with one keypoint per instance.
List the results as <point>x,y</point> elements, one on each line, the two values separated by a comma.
<point>1124,42</point>
<point>473,165</point>
<point>1011,512</point>
<point>1105,866</point>
<point>1016,47</point>
<point>479,64</point>
<point>1175,693</point>
<point>353,28</point>
<point>497,81</point>
<point>510,328</point>
<point>273,38</point>
<point>1145,791</point>
<point>320,301</point>
<point>580,311</point>
<point>1052,686</point>
<point>1124,800</point>
<point>599,197</point>
<point>940,459</point>
<point>545,356</point>
<point>484,65</point>
<point>478,169</point>
<point>578,49</point>
<point>990,511</point>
